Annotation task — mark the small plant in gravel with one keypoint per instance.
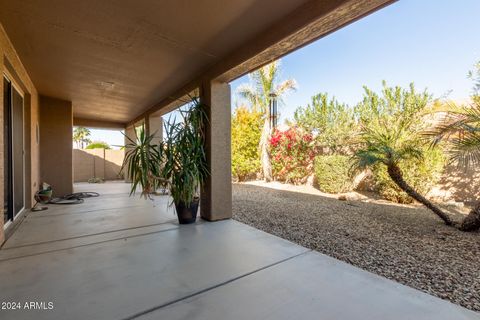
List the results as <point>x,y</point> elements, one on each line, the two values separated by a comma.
<point>292,155</point>
<point>332,173</point>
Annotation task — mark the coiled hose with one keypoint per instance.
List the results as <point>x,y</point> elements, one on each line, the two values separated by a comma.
<point>73,198</point>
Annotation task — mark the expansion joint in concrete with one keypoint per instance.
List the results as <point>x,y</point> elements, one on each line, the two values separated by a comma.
<point>142,313</point>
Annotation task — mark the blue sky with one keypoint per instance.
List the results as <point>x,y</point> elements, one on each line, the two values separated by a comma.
<point>113,137</point>
<point>430,42</point>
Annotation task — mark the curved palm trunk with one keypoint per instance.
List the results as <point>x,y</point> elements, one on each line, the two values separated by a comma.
<point>264,154</point>
<point>396,175</point>
<point>472,221</point>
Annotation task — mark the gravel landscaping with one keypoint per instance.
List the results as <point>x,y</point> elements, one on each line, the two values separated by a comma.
<point>404,243</point>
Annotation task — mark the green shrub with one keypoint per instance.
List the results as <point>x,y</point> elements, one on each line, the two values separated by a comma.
<point>98,145</point>
<point>96,180</point>
<point>421,174</point>
<point>246,132</point>
<point>332,173</point>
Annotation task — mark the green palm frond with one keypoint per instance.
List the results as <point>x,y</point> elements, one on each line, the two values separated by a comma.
<point>285,86</point>
<point>389,136</point>
<point>465,150</point>
<point>408,152</point>
<point>460,129</point>
<point>263,82</point>
<point>249,93</point>
<point>282,88</point>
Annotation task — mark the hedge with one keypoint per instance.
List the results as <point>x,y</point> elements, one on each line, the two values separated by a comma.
<point>332,173</point>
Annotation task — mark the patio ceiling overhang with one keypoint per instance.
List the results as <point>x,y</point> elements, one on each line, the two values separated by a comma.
<point>118,61</point>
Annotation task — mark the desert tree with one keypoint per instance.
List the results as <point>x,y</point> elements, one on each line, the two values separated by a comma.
<point>329,121</point>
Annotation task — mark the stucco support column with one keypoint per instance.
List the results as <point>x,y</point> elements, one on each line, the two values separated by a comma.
<point>129,134</point>
<point>56,155</point>
<point>2,155</point>
<point>216,198</point>
<point>155,126</point>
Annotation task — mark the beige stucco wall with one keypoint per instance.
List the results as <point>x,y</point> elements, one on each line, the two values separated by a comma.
<point>129,137</point>
<point>12,66</point>
<point>155,127</point>
<point>458,184</point>
<point>99,163</point>
<point>56,160</point>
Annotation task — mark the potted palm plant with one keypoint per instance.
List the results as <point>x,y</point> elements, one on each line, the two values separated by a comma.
<point>178,163</point>
<point>141,164</point>
<point>184,163</point>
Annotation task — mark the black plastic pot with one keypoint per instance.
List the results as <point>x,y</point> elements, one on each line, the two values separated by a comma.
<point>186,214</point>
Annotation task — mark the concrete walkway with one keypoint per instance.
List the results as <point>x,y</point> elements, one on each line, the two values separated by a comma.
<point>116,257</point>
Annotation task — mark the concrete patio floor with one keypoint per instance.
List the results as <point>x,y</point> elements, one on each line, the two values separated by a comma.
<point>115,257</point>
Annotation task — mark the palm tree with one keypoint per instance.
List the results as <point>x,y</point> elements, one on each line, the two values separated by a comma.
<point>389,144</point>
<point>80,136</point>
<point>460,128</point>
<point>263,83</point>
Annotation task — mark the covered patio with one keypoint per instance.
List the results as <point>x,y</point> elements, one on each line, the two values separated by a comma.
<point>117,257</point>
<point>119,64</point>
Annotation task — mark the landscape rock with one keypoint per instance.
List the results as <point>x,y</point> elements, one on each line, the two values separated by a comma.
<point>407,244</point>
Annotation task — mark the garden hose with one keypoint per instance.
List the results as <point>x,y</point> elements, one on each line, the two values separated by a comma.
<point>73,198</point>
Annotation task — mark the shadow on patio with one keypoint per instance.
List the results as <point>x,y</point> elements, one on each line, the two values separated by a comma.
<point>115,257</point>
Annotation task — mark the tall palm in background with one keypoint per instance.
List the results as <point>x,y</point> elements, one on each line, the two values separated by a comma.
<point>80,136</point>
<point>263,83</point>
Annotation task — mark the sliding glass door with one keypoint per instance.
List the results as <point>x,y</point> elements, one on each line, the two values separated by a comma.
<point>7,164</point>
<point>14,161</point>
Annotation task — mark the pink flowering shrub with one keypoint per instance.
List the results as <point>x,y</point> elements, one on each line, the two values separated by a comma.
<point>291,155</point>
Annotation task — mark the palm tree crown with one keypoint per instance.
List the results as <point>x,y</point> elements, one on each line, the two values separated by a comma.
<point>80,136</point>
<point>263,83</point>
<point>387,143</point>
<point>460,129</point>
